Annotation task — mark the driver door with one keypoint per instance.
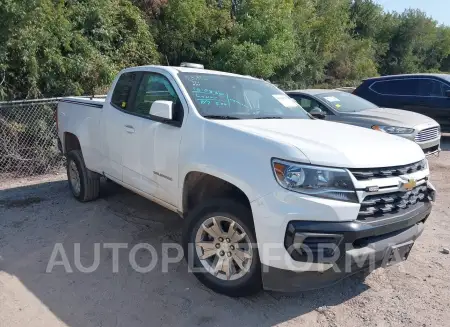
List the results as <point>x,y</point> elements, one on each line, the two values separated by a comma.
<point>151,154</point>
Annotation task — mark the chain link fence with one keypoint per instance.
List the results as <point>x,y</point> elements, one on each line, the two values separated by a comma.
<point>28,138</point>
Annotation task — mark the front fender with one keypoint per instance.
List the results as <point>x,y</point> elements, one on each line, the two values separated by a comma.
<point>240,158</point>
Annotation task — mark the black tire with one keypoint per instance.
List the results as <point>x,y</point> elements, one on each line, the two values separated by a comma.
<point>248,284</point>
<point>89,180</point>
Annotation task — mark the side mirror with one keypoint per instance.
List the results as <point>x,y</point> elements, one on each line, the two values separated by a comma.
<point>316,112</point>
<point>162,109</point>
<point>447,93</point>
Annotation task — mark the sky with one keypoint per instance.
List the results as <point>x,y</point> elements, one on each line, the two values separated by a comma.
<point>438,9</point>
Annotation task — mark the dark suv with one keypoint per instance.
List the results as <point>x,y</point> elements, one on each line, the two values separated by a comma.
<point>428,94</point>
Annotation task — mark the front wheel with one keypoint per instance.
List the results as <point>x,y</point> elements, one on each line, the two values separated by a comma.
<point>220,243</point>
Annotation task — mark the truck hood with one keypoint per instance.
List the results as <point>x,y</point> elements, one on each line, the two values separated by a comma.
<point>334,144</point>
<point>393,117</point>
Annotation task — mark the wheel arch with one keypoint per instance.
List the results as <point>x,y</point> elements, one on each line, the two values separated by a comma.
<point>200,186</point>
<point>70,142</point>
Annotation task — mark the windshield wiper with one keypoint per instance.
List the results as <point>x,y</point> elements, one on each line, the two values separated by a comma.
<point>221,117</point>
<point>269,117</point>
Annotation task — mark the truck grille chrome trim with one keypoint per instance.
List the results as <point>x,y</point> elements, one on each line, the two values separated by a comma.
<point>370,173</point>
<point>427,134</point>
<point>375,206</point>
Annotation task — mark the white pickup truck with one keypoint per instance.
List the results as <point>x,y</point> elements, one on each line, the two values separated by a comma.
<point>271,197</point>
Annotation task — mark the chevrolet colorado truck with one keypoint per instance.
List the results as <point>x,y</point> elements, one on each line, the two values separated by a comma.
<point>270,197</point>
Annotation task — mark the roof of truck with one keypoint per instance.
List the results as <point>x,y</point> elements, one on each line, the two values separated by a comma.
<point>177,69</point>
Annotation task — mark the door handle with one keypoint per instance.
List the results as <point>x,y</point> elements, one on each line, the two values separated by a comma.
<point>129,129</point>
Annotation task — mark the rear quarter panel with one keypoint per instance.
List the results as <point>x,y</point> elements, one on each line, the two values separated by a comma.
<point>85,123</point>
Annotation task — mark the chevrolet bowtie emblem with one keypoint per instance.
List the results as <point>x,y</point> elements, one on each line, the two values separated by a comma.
<point>409,184</point>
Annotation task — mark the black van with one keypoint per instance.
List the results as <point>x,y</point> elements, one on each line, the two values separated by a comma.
<point>428,94</point>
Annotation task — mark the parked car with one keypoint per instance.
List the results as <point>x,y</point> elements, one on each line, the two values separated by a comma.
<point>270,197</point>
<point>428,94</point>
<point>343,107</point>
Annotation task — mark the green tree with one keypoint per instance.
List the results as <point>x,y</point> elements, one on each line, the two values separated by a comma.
<point>321,29</point>
<point>74,47</point>
<point>261,40</point>
<point>367,17</point>
<point>189,28</point>
<point>412,40</point>
<point>54,48</point>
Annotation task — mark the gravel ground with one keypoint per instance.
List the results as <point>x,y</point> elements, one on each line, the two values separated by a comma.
<point>37,213</point>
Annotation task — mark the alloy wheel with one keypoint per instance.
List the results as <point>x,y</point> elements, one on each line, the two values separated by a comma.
<point>223,247</point>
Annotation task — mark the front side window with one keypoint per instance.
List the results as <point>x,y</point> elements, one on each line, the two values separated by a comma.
<point>430,87</point>
<point>233,97</point>
<point>309,104</point>
<point>445,88</point>
<point>122,91</point>
<point>153,87</point>
<point>305,103</point>
<point>345,102</point>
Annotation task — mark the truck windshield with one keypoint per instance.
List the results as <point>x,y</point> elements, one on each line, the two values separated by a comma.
<point>346,102</point>
<point>229,97</point>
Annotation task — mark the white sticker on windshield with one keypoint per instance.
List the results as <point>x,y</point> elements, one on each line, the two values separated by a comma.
<point>332,99</point>
<point>285,100</point>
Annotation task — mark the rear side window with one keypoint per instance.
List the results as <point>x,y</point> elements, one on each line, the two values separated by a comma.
<point>397,87</point>
<point>122,91</point>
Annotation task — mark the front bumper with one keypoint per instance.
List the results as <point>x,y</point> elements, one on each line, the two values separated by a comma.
<point>429,147</point>
<point>362,246</point>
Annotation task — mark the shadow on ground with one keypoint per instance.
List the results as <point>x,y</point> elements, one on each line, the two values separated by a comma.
<point>33,219</point>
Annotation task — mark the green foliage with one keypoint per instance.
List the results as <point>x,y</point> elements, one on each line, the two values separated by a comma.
<point>367,17</point>
<point>73,47</point>
<point>260,41</point>
<point>189,28</point>
<point>50,48</point>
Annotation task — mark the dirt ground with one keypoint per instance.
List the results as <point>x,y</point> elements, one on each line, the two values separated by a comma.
<point>37,213</point>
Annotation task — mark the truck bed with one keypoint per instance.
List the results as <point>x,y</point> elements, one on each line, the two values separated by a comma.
<point>86,101</point>
<point>82,116</point>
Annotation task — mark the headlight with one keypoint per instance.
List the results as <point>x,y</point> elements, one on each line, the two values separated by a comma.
<point>393,129</point>
<point>324,182</point>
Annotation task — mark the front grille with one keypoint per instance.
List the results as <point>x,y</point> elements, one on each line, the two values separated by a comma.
<point>377,205</point>
<point>427,134</point>
<point>369,173</point>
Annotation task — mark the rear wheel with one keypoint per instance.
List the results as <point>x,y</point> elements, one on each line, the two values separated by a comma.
<point>220,243</point>
<point>84,184</point>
